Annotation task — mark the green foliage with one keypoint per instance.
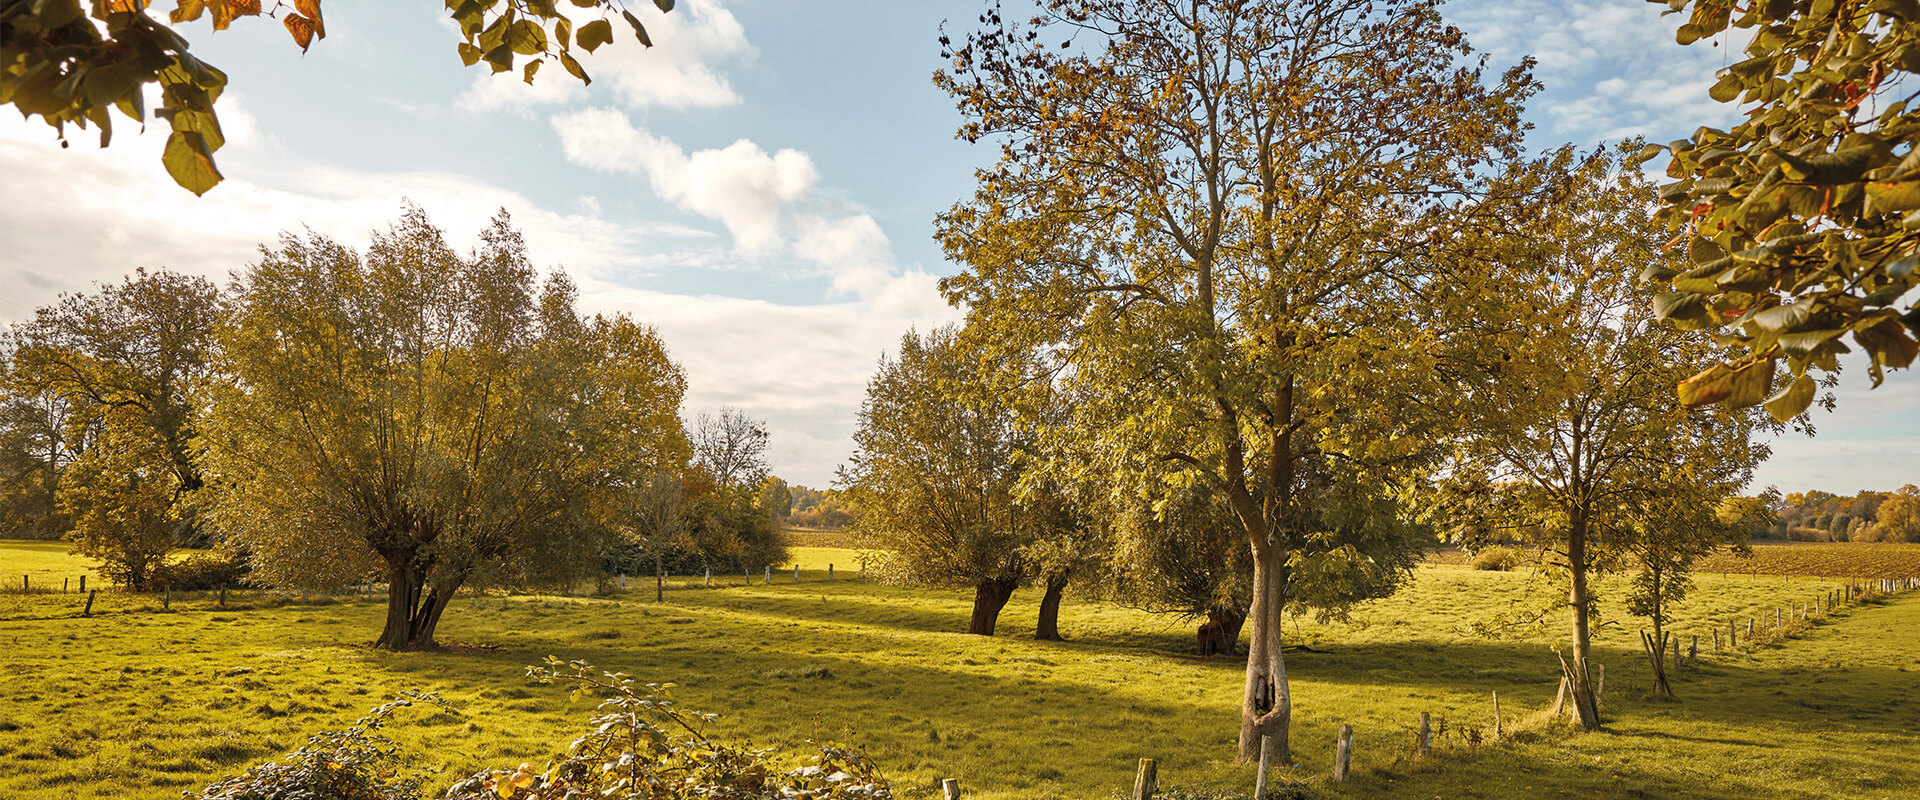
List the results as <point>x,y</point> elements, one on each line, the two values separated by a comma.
<point>70,66</point>
<point>35,448</point>
<point>358,763</point>
<point>202,571</point>
<point>1799,221</point>
<point>1900,516</point>
<point>114,379</point>
<point>430,416</point>
<point>1498,559</point>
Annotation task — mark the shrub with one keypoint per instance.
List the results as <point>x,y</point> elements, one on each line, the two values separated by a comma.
<point>1499,559</point>
<point>203,572</point>
<point>355,764</point>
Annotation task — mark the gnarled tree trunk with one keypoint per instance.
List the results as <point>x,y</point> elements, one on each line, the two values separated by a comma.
<point>1048,628</point>
<point>1266,707</point>
<point>988,598</point>
<point>414,606</point>
<point>1221,632</point>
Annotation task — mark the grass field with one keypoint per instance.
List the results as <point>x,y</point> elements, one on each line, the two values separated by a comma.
<point>136,703</point>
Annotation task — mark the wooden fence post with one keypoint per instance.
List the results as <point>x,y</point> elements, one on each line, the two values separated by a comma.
<point>1343,754</point>
<point>1749,629</point>
<point>1716,640</point>
<point>26,583</point>
<point>166,599</point>
<point>709,577</point>
<point>623,582</point>
<point>1260,778</point>
<point>1147,780</point>
<point>1426,735</point>
<point>88,612</point>
<point>1600,681</point>
<point>63,585</point>
<point>769,581</point>
<point>1497,731</point>
<point>1693,652</point>
<point>83,583</point>
<point>829,570</point>
<point>950,789</point>
<point>796,573</point>
<point>223,595</point>
<point>1733,634</point>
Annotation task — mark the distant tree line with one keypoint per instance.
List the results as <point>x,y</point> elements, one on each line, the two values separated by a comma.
<point>409,415</point>
<point>1868,516</point>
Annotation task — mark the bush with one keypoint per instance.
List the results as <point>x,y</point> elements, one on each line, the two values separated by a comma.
<point>1499,559</point>
<point>203,572</point>
<point>638,745</point>
<point>355,764</point>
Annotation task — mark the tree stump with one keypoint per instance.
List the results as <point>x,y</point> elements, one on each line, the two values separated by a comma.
<point>1343,754</point>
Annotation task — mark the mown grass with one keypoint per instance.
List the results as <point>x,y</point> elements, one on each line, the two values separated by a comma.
<point>136,703</point>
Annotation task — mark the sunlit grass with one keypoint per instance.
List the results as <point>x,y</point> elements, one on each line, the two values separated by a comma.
<point>137,703</point>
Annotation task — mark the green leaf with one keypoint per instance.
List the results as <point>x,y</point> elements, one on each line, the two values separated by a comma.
<point>594,34</point>
<point>501,58</point>
<point>1792,399</point>
<point>1827,169</point>
<point>1748,385</point>
<point>1781,318</point>
<point>1897,196</point>
<point>190,162</point>
<point>1678,305</point>
<point>1808,341</point>
<point>526,37</point>
<point>469,55</point>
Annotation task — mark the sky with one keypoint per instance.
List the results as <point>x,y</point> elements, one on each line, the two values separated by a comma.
<point>760,186</point>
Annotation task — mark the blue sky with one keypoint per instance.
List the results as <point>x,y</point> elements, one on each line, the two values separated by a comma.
<point>760,185</point>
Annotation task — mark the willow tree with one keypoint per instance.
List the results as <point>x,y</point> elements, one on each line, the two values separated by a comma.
<point>1230,223</point>
<point>127,363</point>
<point>935,479</point>
<point>1578,441</point>
<point>431,417</point>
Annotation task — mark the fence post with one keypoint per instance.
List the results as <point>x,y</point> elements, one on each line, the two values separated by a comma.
<point>1147,780</point>
<point>1600,681</point>
<point>1693,652</point>
<point>709,577</point>
<point>1733,634</point>
<point>950,789</point>
<point>1260,778</point>
<point>769,581</point>
<point>26,583</point>
<point>1425,742</point>
<point>1497,732</point>
<point>1749,629</point>
<point>166,599</point>
<point>88,612</point>
<point>1343,754</point>
<point>223,595</point>
<point>796,573</point>
<point>623,582</point>
<point>829,570</point>
<point>83,583</point>
<point>63,585</point>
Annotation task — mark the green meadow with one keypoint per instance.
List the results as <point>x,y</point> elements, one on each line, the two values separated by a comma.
<point>137,702</point>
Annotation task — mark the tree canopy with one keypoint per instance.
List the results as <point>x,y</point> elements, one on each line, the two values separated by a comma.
<point>69,66</point>
<point>434,417</point>
<point>1233,226</point>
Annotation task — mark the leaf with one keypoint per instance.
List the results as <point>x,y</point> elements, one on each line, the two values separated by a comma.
<point>594,34</point>
<point>532,67</point>
<point>1792,399</point>
<point>639,31</point>
<point>190,162</point>
<point>301,28</point>
<point>184,11</point>
<point>469,55</point>
<point>501,58</point>
<point>526,37</point>
<point>1781,318</point>
<point>563,32</point>
<point>665,6</point>
<point>1894,196</point>
<point>573,68</point>
<point>1748,385</point>
<point>311,10</point>
<point>1706,387</point>
<point>1846,165</point>
<point>1808,341</point>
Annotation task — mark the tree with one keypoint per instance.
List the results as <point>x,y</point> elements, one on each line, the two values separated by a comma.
<point>1185,554</point>
<point>1799,221</point>
<point>1234,227</point>
<point>66,65</point>
<point>432,417</point>
<point>731,448</point>
<point>39,438</point>
<point>127,364</point>
<point>934,477</point>
<point>1899,519</point>
<point>1578,443</point>
<point>1671,532</point>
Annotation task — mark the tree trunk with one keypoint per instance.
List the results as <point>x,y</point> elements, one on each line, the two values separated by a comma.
<point>1048,628</point>
<point>1656,647</point>
<point>1221,632</point>
<point>988,598</point>
<point>413,609</point>
<point>1579,677</point>
<point>1266,706</point>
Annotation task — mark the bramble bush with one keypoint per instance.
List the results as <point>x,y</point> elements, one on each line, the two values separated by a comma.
<point>639,746</point>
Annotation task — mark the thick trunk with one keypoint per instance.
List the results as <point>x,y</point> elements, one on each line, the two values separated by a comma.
<point>413,609</point>
<point>988,598</point>
<point>1266,706</point>
<point>1579,674</point>
<point>1221,632</point>
<point>1048,628</point>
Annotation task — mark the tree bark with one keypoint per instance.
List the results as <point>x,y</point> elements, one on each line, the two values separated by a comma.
<point>988,598</point>
<point>413,609</point>
<point>1266,706</point>
<point>1221,632</point>
<point>1048,628</point>
<point>1579,678</point>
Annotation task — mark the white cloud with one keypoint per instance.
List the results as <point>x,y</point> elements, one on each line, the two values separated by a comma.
<point>508,91</point>
<point>97,214</point>
<point>741,185</point>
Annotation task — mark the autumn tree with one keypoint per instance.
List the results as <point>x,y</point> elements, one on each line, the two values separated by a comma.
<point>731,447</point>
<point>1899,519</point>
<point>1577,441</point>
<point>1234,226</point>
<point>67,65</point>
<point>127,364</point>
<point>1799,223</point>
<point>935,476</point>
<point>1184,553</point>
<point>39,439</point>
<point>434,418</point>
